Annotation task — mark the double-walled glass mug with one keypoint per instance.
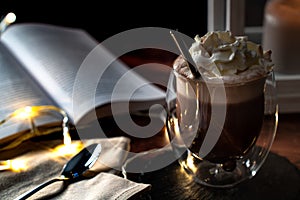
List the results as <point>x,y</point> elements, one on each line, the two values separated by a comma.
<point>221,133</point>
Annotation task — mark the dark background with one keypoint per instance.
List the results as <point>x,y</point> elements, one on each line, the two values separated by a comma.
<point>103,19</point>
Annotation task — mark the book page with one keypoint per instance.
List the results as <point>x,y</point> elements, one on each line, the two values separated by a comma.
<point>53,55</point>
<point>118,85</point>
<point>17,91</point>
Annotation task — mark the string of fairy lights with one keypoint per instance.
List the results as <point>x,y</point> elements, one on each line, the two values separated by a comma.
<point>30,113</point>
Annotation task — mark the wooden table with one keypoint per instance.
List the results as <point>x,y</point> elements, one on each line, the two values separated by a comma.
<point>279,177</point>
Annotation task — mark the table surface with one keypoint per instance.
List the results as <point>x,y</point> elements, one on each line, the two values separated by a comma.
<point>279,177</point>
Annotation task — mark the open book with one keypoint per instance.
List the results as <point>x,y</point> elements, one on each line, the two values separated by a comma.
<point>38,66</point>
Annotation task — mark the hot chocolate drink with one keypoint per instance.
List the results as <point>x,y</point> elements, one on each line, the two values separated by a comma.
<point>233,74</point>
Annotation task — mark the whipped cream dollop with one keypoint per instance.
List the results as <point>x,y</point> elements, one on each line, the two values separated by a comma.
<point>220,54</point>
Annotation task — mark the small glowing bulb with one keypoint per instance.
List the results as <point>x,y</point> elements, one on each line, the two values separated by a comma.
<point>67,139</point>
<point>24,113</point>
<point>68,150</point>
<point>10,18</point>
<point>17,165</point>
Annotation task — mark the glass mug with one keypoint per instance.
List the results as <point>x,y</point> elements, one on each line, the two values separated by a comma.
<point>221,133</point>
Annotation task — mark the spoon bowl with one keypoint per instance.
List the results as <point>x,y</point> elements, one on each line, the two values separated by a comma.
<point>73,169</point>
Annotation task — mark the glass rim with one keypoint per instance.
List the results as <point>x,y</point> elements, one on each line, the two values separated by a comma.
<point>222,82</point>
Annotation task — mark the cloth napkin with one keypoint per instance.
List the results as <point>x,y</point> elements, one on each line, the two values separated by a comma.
<point>43,163</point>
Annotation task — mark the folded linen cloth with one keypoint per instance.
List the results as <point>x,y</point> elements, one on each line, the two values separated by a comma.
<point>44,163</point>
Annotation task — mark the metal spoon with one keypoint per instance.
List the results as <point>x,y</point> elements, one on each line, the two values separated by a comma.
<point>74,169</point>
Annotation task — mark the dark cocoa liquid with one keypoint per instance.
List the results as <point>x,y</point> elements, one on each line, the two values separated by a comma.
<point>242,126</point>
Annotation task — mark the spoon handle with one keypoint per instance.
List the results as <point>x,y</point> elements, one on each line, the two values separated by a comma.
<point>37,188</point>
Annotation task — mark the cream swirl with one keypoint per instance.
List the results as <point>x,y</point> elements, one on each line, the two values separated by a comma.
<point>219,54</point>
